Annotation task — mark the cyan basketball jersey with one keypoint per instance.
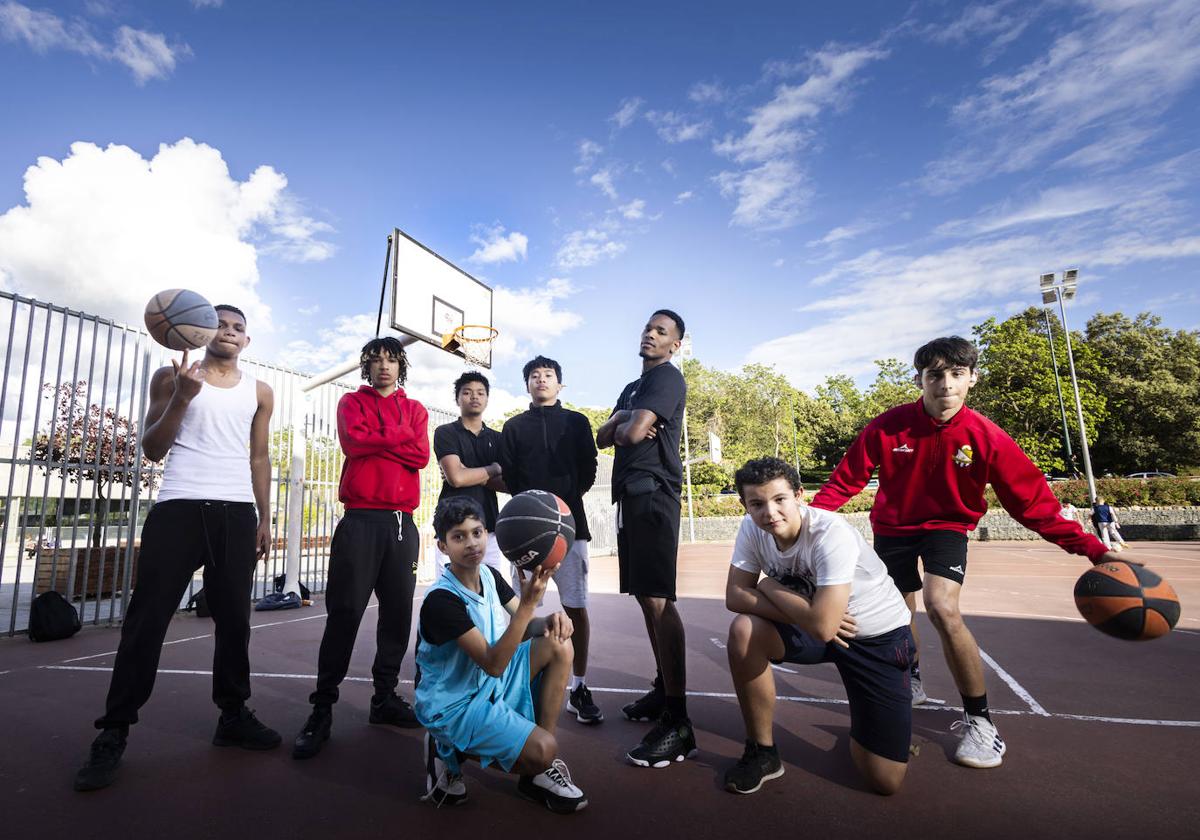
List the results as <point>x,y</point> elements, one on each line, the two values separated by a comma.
<point>449,678</point>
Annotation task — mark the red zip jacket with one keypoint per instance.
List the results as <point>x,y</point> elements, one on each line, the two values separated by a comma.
<point>386,441</point>
<point>932,477</point>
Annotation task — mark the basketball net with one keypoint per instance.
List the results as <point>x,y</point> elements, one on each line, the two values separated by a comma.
<point>473,341</point>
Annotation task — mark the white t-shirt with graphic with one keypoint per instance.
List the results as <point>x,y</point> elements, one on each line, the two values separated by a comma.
<point>828,552</point>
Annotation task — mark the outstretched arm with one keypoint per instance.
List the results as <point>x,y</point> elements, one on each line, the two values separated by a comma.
<point>851,475</point>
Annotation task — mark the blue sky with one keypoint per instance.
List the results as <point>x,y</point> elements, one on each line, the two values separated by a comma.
<point>813,186</point>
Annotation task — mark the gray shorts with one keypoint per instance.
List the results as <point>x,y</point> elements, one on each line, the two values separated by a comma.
<point>570,577</point>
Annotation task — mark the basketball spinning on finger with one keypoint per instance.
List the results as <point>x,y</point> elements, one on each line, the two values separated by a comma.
<point>534,529</point>
<point>181,319</point>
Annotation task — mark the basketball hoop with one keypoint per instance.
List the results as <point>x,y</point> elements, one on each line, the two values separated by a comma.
<point>473,341</point>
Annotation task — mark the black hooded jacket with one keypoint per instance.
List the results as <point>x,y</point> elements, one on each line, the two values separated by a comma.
<point>551,448</point>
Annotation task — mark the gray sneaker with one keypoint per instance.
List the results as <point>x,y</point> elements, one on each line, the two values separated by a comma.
<point>981,745</point>
<point>441,786</point>
<point>918,692</point>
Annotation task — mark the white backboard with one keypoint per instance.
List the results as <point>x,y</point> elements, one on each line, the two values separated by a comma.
<point>431,295</point>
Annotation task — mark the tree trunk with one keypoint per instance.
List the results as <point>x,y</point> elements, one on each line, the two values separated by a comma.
<point>99,517</point>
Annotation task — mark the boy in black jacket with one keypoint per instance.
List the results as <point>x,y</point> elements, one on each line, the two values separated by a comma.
<point>551,448</point>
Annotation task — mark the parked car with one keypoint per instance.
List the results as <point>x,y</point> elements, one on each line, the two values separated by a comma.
<point>1147,475</point>
<point>873,484</point>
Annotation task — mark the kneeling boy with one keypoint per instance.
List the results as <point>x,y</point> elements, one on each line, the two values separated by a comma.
<point>826,597</point>
<point>482,656</point>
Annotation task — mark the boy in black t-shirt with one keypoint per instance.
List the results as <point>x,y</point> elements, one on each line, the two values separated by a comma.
<point>645,427</point>
<point>468,453</point>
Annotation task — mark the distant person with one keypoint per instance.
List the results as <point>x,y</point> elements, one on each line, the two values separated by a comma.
<point>823,596</point>
<point>647,478</point>
<point>1104,519</point>
<point>468,453</point>
<point>935,458</point>
<point>375,548</point>
<point>1069,512</point>
<point>482,657</point>
<point>212,512</point>
<point>551,448</point>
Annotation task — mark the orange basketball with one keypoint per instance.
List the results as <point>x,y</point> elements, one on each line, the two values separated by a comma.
<point>535,528</point>
<point>1127,601</point>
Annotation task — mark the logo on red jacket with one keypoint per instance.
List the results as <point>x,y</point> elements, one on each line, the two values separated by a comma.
<point>964,456</point>
<point>904,447</point>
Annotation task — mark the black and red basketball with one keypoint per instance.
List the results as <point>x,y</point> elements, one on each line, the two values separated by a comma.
<point>535,528</point>
<point>1126,601</point>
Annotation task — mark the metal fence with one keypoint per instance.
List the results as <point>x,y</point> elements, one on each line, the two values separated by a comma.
<point>76,488</point>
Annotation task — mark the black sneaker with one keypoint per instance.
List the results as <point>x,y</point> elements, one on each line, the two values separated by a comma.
<point>649,706</point>
<point>580,702</point>
<point>554,789</point>
<point>441,786</point>
<point>393,710</point>
<point>669,741</point>
<point>101,766</point>
<point>314,734</point>
<point>757,765</point>
<point>243,729</point>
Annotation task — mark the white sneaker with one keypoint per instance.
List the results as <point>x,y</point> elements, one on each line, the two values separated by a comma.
<point>441,786</point>
<point>918,692</point>
<point>981,745</point>
<point>554,789</point>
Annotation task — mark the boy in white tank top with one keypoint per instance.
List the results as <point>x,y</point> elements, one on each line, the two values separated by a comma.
<point>212,512</point>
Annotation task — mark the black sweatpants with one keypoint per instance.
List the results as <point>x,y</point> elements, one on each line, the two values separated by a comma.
<point>371,550</point>
<point>180,536</point>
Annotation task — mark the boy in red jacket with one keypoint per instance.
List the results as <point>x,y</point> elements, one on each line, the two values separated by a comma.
<point>935,457</point>
<point>375,546</point>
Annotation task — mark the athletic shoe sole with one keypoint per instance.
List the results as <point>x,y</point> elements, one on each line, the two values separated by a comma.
<point>309,752</point>
<point>757,787</point>
<point>556,805</point>
<point>662,762</point>
<point>586,721</point>
<point>979,765</point>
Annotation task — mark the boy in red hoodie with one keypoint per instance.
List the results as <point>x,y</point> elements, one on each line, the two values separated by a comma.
<point>375,546</point>
<point>935,457</point>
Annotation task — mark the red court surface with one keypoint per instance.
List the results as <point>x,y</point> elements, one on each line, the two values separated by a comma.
<point>1103,736</point>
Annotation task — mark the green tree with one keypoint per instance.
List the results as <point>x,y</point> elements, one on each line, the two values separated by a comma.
<point>1016,385</point>
<point>1151,380</point>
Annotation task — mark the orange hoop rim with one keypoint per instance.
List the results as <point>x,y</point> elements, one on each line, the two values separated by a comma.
<point>461,336</point>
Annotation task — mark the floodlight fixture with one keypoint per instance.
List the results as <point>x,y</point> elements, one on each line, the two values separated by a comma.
<point>1047,279</point>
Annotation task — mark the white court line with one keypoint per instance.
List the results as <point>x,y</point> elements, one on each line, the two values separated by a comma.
<point>1017,688</point>
<point>209,635</point>
<point>719,695</point>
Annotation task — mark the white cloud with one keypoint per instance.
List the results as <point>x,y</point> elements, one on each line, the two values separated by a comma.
<point>1117,71</point>
<point>769,197</point>
<point>677,128</point>
<point>208,4</point>
<point>705,92</point>
<point>634,210</point>
<point>997,21</point>
<point>627,113</point>
<point>104,229</point>
<point>779,263</point>
<point>686,195</point>
<point>589,150</point>
<point>604,181</point>
<point>146,54</point>
<point>497,247</point>
<point>308,311</point>
<point>843,233</point>
<point>582,248</point>
<point>774,127</point>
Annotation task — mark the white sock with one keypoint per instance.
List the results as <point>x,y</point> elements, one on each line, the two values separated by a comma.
<point>577,680</point>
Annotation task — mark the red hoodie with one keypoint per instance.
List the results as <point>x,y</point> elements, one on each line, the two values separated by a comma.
<point>932,477</point>
<point>386,441</point>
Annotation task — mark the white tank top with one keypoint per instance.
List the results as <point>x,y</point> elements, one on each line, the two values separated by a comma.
<point>210,458</point>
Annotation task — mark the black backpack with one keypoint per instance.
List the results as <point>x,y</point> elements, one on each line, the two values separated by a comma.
<point>304,593</point>
<point>52,617</point>
<point>199,603</point>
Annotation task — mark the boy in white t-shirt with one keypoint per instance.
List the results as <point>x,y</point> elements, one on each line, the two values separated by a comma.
<point>824,596</point>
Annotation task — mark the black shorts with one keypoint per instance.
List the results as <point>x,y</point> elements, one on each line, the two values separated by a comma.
<point>875,673</point>
<point>942,553</point>
<point>648,543</point>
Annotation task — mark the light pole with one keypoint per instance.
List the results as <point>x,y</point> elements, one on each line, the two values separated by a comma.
<point>1053,290</point>
<point>1062,407</point>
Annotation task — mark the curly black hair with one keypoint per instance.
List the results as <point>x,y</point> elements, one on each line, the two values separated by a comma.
<point>454,510</point>
<point>758,471</point>
<point>377,347</point>
<point>469,377</point>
